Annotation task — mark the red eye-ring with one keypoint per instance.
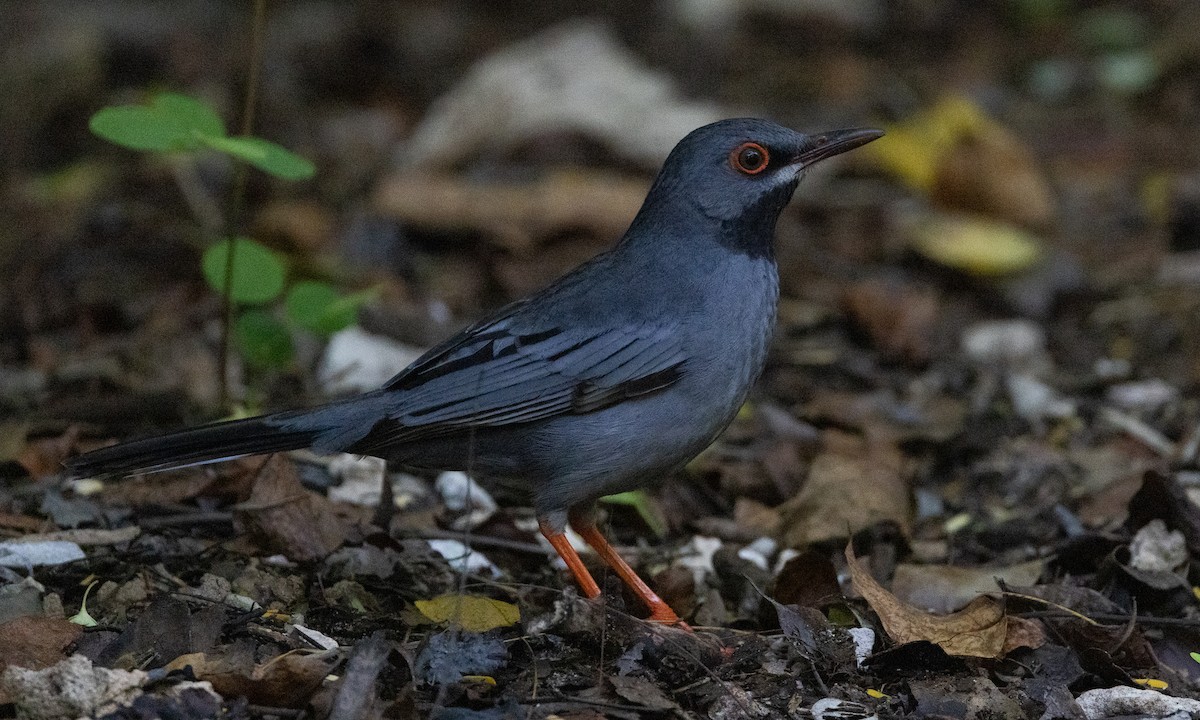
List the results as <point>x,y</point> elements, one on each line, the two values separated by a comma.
<point>749,158</point>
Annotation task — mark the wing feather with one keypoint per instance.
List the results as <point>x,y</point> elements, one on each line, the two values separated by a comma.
<point>498,373</point>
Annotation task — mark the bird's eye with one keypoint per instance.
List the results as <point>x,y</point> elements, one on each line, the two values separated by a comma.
<point>749,158</point>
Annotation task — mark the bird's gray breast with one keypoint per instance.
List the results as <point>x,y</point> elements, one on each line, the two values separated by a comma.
<point>727,328</point>
<point>731,350</point>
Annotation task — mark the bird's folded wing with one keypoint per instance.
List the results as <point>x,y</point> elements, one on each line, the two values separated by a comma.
<point>497,374</point>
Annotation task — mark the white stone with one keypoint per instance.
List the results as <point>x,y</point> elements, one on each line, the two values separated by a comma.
<point>1007,342</point>
<point>1134,702</point>
<point>356,361</point>
<point>1156,549</point>
<point>463,558</point>
<point>16,554</point>
<point>572,77</point>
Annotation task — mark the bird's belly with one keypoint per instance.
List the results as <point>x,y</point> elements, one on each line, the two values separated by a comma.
<point>620,448</point>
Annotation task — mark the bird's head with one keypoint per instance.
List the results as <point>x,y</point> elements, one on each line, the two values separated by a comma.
<point>742,172</point>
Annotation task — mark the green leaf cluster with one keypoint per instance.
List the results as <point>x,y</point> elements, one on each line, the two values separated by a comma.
<point>256,276</point>
<point>259,277</point>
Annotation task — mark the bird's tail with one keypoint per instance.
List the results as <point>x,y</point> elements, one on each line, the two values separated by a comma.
<point>326,428</point>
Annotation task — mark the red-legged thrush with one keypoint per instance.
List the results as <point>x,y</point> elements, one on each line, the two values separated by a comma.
<point>612,377</point>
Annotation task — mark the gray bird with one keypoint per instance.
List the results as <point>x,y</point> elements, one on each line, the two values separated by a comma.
<point>614,376</point>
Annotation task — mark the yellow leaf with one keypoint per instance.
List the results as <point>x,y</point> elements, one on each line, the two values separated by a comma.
<point>746,411</point>
<point>1152,683</point>
<point>1155,195</point>
<point>976,246</point>
<point>904,154</point>
<point>912,151</point>
<point>472,613</point>
<point>958,157</point>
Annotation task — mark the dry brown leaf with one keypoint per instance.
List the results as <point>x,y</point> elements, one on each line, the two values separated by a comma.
<point>24,523</point>
<point>36,642</point>
<point>516,216</point>
<point>978,630</point>
<point>946,588</point>
<point>1023,632</point>
<point>867,412</point>
<point>286,517</point>
<point>852,485</point>
<point>286,680</point>
<point>991,171</point>
<point>45,456</point>
<point>808,580</point>
<point>755,518</point>
<point>294,224</point>
<point>898,317</point>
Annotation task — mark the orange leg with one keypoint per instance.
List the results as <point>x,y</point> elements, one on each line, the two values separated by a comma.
<point>563,547</point>
<point>586,527</point>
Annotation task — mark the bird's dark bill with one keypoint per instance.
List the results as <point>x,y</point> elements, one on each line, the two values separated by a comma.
<point>835,142</point>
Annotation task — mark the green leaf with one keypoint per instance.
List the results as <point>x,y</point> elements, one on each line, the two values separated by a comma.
<point>190,113</point>
<point>138,128</point>
<point>170,122</point>
<point>264,155</point>
<point>318,306</point>
<point>264,341</point>
<point>258,273</point>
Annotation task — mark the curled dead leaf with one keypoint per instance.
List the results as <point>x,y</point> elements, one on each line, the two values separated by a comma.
<point>978,630</point>
<point>991,171</point>
<point>1023,632</point>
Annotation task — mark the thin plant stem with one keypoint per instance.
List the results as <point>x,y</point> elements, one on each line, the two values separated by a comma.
<point>236,197</point>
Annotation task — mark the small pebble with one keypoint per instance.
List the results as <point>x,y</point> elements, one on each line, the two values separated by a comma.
<point>463,558</point>
<point>357,361</point>
<point>1156,549</point>
<point>1007,342</point>
<point>1143,396</point>
<point>864,642</point>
